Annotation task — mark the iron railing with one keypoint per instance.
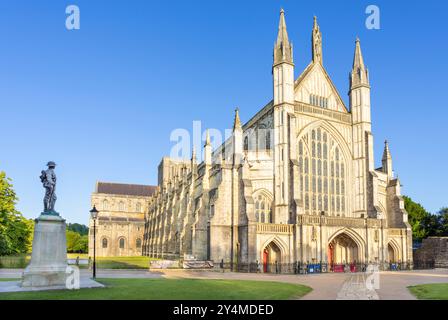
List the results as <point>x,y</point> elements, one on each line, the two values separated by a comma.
<point>322,267</point>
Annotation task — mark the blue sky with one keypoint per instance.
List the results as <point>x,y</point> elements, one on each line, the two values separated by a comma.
<point>102,101</point>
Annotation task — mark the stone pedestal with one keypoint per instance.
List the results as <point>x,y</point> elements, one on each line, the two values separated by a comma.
<point>49,256</point>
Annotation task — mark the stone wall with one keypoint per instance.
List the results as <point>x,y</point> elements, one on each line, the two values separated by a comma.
<point>433,249</point>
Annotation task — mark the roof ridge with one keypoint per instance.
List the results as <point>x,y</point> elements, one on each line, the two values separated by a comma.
<point>127,184</point>
<point>126,189</point>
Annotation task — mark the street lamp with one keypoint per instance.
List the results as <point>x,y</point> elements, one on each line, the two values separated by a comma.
<point>94,215</point>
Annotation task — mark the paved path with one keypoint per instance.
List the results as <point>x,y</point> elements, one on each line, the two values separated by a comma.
<point>393,285</point>
<point>327,286</point>
<point>355,288</point>
<point>15,286</point>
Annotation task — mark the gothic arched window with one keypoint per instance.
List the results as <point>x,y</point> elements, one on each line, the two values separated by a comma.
<point>121,206</point>
<point>105,205</point>
<point>327,175</point>
<point>138,243</point>
<point>268,139</point>
<point>138,207</point>
<point>263,209</point>
<point>104,243</point>
<point>121,243</point>
<point>246,144</point>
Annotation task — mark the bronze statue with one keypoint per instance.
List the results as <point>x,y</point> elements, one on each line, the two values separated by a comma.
<point>48,179</point>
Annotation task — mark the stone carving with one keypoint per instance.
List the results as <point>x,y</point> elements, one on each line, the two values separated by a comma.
<point>48,179</point>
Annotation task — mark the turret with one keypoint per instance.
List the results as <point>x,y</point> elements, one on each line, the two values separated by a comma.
<point>193,161</point>
<point>360,74</point>
<point>359,88</point>
<point>362,136</point>
<point>387,160</point>
<point>283,78</point>
<point>207,149</point>
<point>283,66</point>
<point>237,138</point>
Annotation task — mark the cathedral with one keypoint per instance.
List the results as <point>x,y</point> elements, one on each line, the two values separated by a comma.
<point>297,183</point>
<point>120,225</point>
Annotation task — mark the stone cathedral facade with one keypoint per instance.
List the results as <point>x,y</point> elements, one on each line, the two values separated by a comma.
<point>296,183</point>
<point>121,219</point>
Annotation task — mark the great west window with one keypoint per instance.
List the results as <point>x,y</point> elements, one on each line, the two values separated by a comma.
<point>322,174</point>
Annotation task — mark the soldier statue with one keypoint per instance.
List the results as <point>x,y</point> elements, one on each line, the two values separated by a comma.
<point>48,179</point>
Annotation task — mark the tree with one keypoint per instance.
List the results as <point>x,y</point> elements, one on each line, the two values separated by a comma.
<point>76,243</point>
<point>79,228</point>
<point>419,219</point>
<point>15,231</point>
<point>82,244</point>
<point>443,222</point>
<point>425,224</point>
<point>432,224</point>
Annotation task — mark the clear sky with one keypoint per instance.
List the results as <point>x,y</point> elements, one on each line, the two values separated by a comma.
<point>102,101</point>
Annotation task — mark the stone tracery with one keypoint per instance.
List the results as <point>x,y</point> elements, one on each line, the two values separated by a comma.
<point>322,174</point>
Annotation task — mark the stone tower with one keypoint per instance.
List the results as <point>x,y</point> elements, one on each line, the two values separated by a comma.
<point>362,137</point>
<point>283,76</point>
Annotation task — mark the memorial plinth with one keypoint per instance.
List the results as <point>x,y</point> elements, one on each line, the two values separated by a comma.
<point>48,264</point>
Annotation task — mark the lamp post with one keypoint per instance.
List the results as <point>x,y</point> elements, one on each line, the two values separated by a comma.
<point>94,215</point>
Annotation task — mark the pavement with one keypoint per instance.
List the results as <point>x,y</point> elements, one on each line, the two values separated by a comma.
<point>14,285</point>
<point>355,288</point>
<point>326,286</point>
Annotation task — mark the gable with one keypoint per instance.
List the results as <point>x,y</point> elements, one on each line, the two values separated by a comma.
<point>315,87</point>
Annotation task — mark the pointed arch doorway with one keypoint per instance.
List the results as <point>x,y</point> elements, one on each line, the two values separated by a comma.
<point>343,250</point>
<point>272,258</point>
<point>393,252</point>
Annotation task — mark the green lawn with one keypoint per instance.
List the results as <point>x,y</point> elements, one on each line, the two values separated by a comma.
<point>435,291</point>
<point>21,261</point>
<point>123,262</point>
<point>9,279</point>
<point>75,255</point>
<point>172,289</point>
<point>15,262</point>
<point>117,262</point>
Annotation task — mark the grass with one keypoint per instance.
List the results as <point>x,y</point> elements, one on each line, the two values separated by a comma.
<point>21,261</point>
<point>9,279</point>
<point>75,255</point>
<point>123,262</point>
<point>435,291</point>
<point>172,289</point>
<point>15,262</point>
